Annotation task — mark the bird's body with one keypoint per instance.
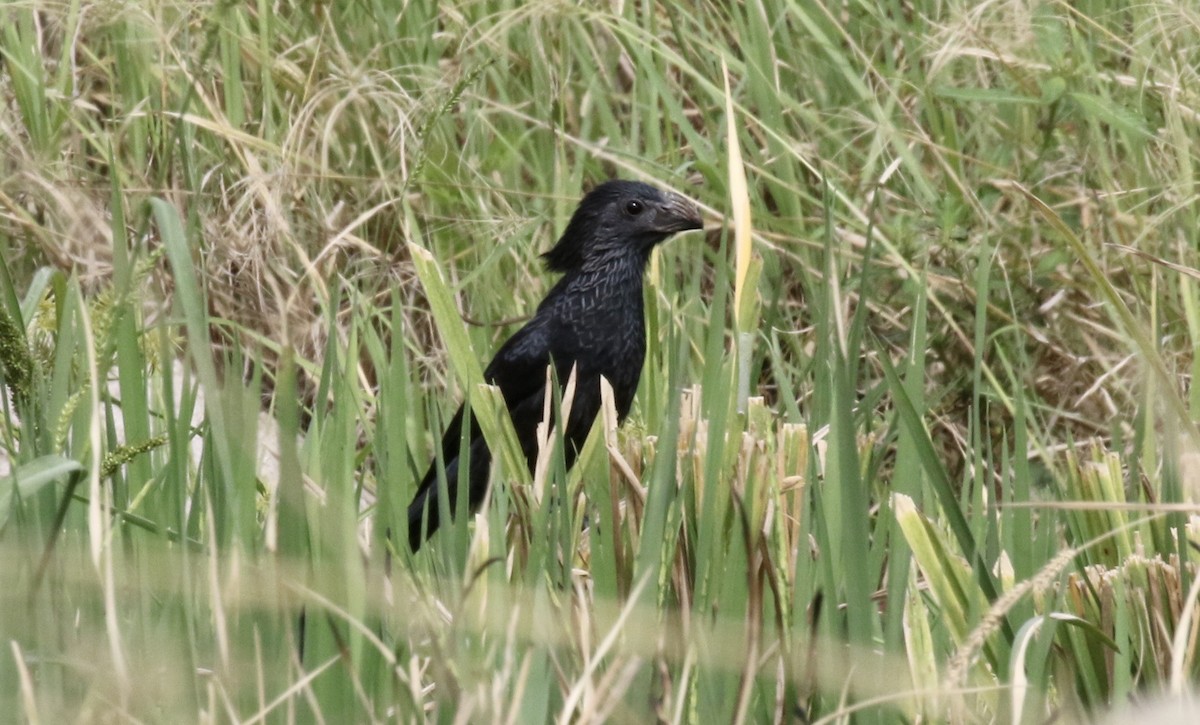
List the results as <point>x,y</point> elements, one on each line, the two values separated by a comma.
<point>592,321</point>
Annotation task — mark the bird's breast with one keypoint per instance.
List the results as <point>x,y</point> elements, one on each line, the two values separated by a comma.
<point>607,332</point>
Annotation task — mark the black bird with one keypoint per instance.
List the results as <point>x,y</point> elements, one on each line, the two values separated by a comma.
<point>592,320</point>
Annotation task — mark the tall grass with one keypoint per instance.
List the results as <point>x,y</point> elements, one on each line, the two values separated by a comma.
<point>916,435</point>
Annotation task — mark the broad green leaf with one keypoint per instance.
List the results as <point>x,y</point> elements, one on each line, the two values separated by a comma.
<point>29,478</point>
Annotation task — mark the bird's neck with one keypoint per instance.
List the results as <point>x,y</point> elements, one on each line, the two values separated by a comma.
<point>618,281</point>
<point>627,268</point>
<point>603,288</point>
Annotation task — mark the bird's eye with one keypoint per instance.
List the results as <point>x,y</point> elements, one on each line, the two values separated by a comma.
<point>634,207</point>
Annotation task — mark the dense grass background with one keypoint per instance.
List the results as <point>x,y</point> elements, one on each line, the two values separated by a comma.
<point>916,443</point>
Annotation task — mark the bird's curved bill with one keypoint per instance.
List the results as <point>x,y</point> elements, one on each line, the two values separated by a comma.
<point>679,214</point>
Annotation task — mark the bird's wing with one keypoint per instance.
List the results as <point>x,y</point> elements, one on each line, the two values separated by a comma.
<point>519,370</point>
<point>519,367</point>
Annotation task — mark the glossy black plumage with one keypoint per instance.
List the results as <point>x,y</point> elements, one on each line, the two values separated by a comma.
<point>593,318</point>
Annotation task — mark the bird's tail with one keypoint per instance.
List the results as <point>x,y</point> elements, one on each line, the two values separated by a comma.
<point>424,513</point>
<point>420,525</point>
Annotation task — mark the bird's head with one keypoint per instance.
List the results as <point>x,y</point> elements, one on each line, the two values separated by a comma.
<point>618,218</point>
